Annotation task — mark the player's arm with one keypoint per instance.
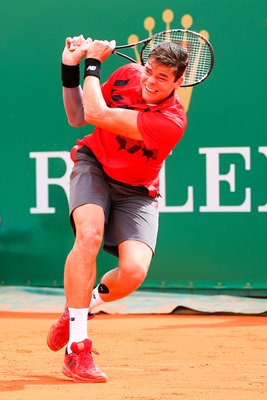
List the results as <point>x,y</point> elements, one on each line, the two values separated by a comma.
<point>117,120</point>
<point>74,51</point>
<point>73,104</point>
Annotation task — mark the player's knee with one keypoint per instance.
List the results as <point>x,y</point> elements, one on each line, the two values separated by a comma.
<point>135,272</point>
<point>88,239</point>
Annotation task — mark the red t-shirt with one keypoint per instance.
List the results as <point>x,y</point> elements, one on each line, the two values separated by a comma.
<point>137,162</point>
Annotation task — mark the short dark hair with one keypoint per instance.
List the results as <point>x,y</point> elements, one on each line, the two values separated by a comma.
<point>171,55</point>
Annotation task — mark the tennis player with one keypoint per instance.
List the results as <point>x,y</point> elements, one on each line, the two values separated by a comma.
<point>114,184</point>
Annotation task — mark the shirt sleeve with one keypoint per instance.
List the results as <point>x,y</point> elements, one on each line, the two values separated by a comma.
<point>161,130</point>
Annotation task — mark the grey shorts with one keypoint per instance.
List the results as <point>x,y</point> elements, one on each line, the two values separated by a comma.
<point>129,215</point>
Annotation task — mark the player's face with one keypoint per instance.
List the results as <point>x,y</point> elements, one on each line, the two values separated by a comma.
<point>157,82</point>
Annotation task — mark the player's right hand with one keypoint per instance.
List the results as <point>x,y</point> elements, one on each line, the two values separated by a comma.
<point>75,49</point>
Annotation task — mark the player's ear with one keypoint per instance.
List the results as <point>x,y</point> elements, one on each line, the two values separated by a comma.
<point>180,81</point>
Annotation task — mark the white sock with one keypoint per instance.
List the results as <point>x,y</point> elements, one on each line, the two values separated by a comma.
<point>78,325</point>
<point>96,299</point>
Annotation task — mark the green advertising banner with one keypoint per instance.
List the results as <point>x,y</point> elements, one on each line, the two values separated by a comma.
<point>213,207</point>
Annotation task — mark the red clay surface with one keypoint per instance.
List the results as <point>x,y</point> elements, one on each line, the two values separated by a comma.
<point>168,357</point>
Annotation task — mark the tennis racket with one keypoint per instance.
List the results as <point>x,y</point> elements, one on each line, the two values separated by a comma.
<point>200,52</point>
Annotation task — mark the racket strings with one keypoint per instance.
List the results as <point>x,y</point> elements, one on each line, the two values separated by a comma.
<point>199,53</point>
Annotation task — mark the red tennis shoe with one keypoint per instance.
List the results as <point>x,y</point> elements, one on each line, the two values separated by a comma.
<point>58,334</point>
<point>80,366</point>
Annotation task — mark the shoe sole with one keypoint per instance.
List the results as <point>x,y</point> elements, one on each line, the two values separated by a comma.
<point>77,378</point>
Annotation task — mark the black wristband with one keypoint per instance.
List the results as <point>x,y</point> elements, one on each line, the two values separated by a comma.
<point>92,67</point>
<point>70,75</point>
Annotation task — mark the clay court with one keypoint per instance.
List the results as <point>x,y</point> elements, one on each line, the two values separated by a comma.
<point>146,357</point>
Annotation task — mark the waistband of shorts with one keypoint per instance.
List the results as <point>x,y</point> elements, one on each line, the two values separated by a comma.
<point>151,191</point>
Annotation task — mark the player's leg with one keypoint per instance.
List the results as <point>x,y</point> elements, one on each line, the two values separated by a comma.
<point>80,267</point>
<point>79,278</point>
<point>131,234</point>
<point>133,265</point>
